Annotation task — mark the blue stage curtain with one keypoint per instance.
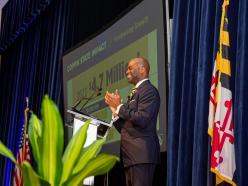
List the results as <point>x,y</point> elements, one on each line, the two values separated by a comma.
<point>194,44</point>
<point>31,64</point>
<point>18,16</point>
<point>241,94</point>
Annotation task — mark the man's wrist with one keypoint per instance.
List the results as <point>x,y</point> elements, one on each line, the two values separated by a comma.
<point>118,109</point>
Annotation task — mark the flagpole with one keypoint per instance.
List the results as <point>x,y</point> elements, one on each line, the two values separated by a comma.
<point>25,128</point>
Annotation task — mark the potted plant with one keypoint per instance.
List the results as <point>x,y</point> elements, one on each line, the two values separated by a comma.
<point>54,167</point>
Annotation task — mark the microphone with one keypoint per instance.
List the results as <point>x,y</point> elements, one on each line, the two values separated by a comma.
<point>93,95</point>
<point>77,103</point>
<point>87,98</point>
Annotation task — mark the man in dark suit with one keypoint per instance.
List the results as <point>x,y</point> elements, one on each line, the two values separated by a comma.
<point>136,121</point>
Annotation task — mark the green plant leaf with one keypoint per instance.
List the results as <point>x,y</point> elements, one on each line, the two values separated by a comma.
<point>97,166</point>
<point>6,152</point>
<point>52,142</point>
<point>34,133</point>
<point>87,154</point>
<point>73,150</point>
<point>30,177</point>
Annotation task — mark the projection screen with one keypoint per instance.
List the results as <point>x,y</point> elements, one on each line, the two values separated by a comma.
<point>99,65</point>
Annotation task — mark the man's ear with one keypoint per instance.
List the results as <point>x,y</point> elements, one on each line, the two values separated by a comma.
<point>143,70</point>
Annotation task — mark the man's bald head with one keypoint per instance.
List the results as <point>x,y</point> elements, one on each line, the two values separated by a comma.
<point>138,69</point>
<point>144,62</point>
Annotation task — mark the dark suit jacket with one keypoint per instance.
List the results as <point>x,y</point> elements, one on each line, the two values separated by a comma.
<point>137,125</point>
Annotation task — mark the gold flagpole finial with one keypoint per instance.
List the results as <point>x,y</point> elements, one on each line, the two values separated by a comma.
<point>27,100</point>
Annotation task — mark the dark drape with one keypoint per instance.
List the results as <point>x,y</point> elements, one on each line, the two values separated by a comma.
<point>241,94</point>
<point>34,36</point>
<point>18,15</point>
<point>194,44</point>
<point>32,47</point>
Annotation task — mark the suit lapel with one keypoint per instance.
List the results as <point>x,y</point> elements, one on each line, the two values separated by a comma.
<point>141,86</point>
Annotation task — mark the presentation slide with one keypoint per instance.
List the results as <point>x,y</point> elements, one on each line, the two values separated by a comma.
<point>99,65</point>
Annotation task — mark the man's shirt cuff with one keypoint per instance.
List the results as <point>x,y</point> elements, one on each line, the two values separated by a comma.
<point>118,109</point>
<point>115,116</point>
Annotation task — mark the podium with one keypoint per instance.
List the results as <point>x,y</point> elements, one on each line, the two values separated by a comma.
<point>97,129</point>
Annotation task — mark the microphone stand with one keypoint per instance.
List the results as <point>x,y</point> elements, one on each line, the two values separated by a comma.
<point>78,102</point>
<point>90,98</point>
<point>87,99</point>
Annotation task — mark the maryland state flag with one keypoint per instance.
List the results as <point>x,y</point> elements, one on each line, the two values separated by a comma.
<point>221,125</point>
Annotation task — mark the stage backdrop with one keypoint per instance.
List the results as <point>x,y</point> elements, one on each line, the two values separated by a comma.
<point>99,64</point>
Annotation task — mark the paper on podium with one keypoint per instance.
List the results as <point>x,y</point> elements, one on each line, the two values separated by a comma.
<point>91,132</point>
<point>91,137</point>
<point>101,128</point>
<point>97,129</point>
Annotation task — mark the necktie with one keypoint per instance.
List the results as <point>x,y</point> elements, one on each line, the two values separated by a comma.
<point>132,93</point>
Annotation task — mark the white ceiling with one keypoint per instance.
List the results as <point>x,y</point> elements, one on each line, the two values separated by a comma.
<point>2,3</point>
